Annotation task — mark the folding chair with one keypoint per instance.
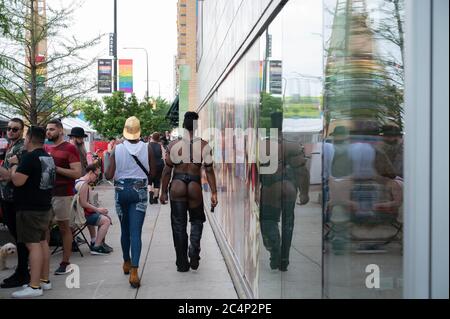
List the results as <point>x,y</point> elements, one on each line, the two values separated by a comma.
<point>76,230</point>
<point>77,224</point>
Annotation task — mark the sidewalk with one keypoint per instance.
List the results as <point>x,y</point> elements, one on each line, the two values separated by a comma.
<point>101,277</point>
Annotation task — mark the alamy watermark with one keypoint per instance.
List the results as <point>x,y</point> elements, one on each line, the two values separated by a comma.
<point>373,279</point>
<point>73,279</point>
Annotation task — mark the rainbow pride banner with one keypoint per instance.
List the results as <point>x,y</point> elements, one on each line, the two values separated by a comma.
<point>126,76</point>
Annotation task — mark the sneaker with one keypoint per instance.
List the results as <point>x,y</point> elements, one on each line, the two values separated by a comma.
<point>44,286</point>
<point>16,280</point>
<point>63,269</point>
<point>108,248</point>
<point>100,250</point>
<point>28,292</point>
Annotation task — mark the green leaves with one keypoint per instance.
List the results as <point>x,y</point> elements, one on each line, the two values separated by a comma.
<point>109,117</point>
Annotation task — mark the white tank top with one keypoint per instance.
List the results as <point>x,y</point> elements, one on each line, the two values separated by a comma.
<point>126,166</point>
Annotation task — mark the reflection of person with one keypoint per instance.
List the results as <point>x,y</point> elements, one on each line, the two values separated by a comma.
<point>393,147</point>
<point>32,197</point>
<point>278,195</point>
<point>77,137</point>
<point>127,165</point>
<point>184,160</point>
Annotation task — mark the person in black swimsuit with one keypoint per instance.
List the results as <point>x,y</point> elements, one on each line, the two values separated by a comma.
<point>185,158</point>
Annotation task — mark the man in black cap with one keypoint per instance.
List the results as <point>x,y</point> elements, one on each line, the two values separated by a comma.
<point>77,136</point>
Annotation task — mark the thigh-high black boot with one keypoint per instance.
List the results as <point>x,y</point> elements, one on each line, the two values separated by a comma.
<point>180,237</point>
<point>287,230</point>
<point>197,218</point>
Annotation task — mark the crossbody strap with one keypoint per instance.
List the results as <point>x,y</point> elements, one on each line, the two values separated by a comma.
<point>141,165</point>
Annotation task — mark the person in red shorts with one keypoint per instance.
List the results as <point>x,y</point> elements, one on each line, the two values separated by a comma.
<point>68,169</point>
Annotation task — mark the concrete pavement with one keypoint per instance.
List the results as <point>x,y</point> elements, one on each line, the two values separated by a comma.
<point>101,277</point>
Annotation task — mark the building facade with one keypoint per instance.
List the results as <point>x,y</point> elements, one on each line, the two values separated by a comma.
<point>353,93</point>
<point>186,66</point>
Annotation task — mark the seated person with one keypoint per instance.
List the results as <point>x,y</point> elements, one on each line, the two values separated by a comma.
<point>95,216</point>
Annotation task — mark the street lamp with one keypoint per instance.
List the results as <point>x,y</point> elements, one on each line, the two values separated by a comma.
<point>146,54</point>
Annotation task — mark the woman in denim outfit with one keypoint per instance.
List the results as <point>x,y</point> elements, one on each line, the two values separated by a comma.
<point>131,181</point>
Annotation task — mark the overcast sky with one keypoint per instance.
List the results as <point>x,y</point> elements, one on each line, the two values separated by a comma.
<point>150,24</point>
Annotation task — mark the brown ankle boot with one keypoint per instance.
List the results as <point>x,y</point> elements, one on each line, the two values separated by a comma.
<point>126,267</point>
<point>135,282</point>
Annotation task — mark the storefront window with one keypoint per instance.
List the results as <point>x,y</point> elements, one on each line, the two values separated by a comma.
<point>307,131</point>
<point>291,103</point>
<point>363,148</point>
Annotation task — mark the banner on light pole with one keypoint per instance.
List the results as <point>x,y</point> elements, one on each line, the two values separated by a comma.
<point>104,76</point>
<point>126,76</point>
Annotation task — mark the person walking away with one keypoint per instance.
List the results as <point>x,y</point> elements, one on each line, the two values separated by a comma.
<point>68,169</point>
<point>184,158</point>
<point>156,157</point>
<point>34,179</point>
<point>96,217</point>
<point>15,148</point>
<point>129,167</point>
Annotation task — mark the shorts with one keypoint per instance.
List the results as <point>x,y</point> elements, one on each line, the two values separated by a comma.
<point>32,226</point>
<point>93,219</point>
<point>62,206</point>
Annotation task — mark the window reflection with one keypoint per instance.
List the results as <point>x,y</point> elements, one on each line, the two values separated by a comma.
<point>291,103</point>
<point>363,147</point>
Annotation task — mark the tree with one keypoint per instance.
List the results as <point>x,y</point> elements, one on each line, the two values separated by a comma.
<point>42,72</point>
<point>362,84</point>
<point>4,24</point>
<point>5,21</point>
<point>269,105</point>
<point>391,29</point>
<point>108,118</point>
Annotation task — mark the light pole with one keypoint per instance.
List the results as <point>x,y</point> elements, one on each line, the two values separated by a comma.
<point>115,46</point>
<point>146,54</point>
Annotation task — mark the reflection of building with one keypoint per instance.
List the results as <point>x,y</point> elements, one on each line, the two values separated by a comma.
<point>356,80</point>
<point>276,77</point>
<point>38,15</point>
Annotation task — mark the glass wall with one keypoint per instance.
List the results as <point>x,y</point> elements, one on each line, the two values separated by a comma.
<point>226,120</point>
<point>291,103</point>
<point>307,131</point>
<point>363,148</point>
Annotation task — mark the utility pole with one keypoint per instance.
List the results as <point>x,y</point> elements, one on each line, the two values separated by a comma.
<point>115,46</point>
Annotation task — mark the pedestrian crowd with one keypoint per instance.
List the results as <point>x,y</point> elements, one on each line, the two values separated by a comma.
<point>47,181</point>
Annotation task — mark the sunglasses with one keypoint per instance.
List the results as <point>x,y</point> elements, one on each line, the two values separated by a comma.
<point>14,129</point>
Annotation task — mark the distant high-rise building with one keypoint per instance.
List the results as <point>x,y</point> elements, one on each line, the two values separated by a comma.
<point>186,60</point>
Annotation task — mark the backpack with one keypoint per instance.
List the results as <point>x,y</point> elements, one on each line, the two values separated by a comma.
<point>77,217</point>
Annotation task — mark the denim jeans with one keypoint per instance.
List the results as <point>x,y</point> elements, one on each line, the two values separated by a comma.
<point>131,205</point>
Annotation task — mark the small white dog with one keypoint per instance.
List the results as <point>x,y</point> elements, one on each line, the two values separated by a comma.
<point>5,251</point>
